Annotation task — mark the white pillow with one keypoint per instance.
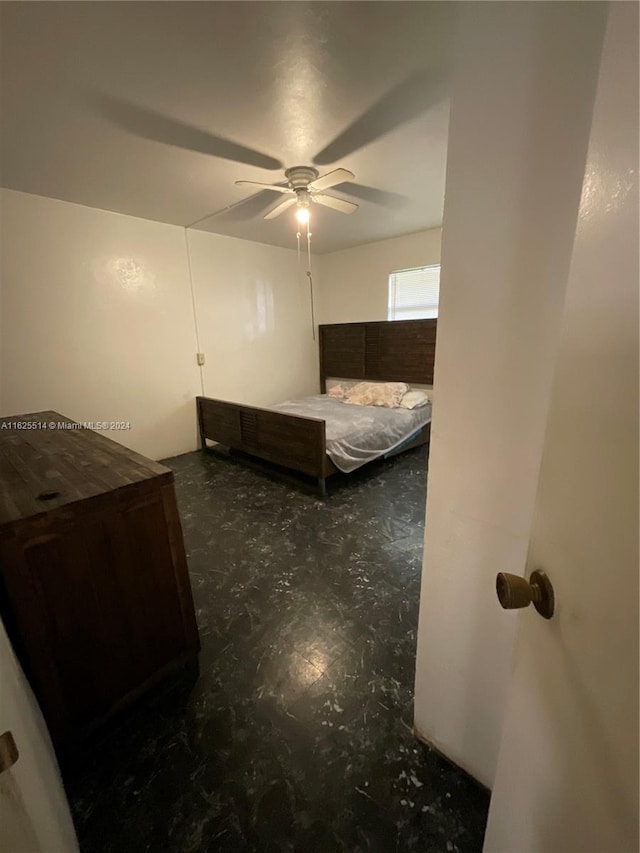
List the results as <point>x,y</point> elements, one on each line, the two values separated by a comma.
<point>414,399</point>
<point>387,394</point>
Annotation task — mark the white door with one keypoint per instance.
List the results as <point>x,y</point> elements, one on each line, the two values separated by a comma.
<point>34,813</point>
<point>567,777</point>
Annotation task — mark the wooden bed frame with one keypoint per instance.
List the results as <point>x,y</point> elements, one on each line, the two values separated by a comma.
<point>395,350</point>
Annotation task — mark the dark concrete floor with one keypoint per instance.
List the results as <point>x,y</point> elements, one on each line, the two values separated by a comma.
<point>297,734</point>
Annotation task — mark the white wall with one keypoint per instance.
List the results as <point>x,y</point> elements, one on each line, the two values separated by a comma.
<point>354,283</point>
<point>98,321</point>
<point>254,320</point>
<point>521,109</point>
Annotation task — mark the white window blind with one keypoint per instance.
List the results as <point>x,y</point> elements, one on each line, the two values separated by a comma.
<point>414,293</point>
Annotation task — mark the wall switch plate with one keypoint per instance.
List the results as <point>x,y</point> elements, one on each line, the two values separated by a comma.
<point>200,357</point>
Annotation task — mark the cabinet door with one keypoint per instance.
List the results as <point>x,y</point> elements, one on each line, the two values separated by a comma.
<point>97,607</point>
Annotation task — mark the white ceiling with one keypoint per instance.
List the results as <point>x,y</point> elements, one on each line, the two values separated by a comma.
<point>145,108</point>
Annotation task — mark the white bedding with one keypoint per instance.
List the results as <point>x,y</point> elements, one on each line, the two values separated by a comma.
<point>357,434</point>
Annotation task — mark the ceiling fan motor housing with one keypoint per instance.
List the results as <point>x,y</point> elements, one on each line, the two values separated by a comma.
<point>300,177</point>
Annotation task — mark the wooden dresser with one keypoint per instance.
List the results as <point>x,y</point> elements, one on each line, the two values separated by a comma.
<point>94,589</point>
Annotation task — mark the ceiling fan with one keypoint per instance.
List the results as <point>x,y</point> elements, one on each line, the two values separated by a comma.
<point>403,102</point>
<point>304,186</point>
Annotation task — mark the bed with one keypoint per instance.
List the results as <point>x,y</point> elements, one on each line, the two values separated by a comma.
<point>318,435</point>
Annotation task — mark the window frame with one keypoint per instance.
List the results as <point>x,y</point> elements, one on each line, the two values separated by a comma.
<point>423,311</point>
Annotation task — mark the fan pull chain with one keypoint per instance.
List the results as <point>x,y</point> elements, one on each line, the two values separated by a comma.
<point>313,319</point>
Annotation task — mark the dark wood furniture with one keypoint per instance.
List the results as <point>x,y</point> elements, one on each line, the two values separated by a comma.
<point>389,350</point>
<point>94,589</point>
<point>398,350</point>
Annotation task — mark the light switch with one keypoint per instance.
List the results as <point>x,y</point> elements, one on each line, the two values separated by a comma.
<point>200,357</point>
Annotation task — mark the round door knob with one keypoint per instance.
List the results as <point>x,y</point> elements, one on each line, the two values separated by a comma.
<point>515,592</point>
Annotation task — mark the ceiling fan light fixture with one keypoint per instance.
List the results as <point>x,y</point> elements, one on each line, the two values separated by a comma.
<point>303,215</point>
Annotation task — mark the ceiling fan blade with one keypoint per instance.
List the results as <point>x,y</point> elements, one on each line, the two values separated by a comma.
<point>247,208</point>
<point>336,203</point>
<point>338,176</point>
<point>242,210</point>
<point>280,208</point>
<point>403,102</point>
<point>385,198</point>
<point>153,125</point>
<point>273,187</point>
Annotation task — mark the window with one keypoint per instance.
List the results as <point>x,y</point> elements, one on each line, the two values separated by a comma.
<point>414,293</point>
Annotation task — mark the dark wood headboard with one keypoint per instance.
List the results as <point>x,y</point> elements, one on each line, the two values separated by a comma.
<point>394,350</point>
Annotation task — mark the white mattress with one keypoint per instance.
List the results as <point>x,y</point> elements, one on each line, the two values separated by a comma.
<point>357,434</point>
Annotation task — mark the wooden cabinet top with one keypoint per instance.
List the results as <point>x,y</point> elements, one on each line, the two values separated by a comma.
<point>48,461</point>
